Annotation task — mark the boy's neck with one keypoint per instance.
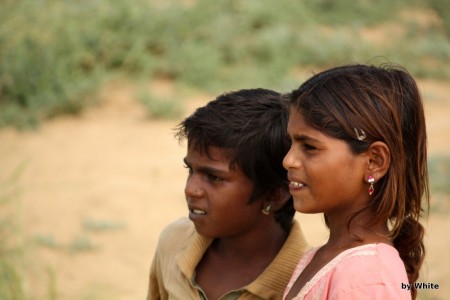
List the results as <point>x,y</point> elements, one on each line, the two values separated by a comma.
<point>253,247</point>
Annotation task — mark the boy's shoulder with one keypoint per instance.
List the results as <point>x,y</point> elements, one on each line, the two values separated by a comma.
<point>181,225</point>
<point>176,234</point>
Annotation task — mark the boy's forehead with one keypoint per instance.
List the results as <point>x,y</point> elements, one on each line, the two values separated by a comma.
<point>213,153</point>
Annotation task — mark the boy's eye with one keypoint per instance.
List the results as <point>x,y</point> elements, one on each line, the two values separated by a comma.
<point>189,168</point>
<point>213,177</point>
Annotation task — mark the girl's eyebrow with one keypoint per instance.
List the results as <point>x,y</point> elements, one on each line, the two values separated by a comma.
<point>207,169</point>
<point>304,138</point>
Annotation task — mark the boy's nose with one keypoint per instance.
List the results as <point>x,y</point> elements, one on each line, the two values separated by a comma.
<point>192,189</point>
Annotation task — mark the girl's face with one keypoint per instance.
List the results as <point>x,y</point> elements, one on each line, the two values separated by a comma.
<point>218,197</point>
<point>324,175</point>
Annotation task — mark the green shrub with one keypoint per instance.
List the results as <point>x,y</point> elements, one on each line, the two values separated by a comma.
<point>54,54</point>
<point>11,271</point>
<point>439,172</point>
<point>442,9</point>
<point>160,107</point>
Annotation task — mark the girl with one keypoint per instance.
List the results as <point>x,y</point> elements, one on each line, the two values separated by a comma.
<point>358,155</point>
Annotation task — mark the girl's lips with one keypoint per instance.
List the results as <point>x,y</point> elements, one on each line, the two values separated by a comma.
<point>296,184</point>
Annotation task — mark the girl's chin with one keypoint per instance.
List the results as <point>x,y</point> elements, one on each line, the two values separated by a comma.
<point>299,205</point>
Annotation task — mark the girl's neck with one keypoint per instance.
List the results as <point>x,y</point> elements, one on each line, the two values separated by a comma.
<point>359,232</point>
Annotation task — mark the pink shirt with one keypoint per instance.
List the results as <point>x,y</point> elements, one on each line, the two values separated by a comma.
<point>372,271</point>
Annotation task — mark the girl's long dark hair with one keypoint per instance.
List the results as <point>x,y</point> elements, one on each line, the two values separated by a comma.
<point>386,104</point>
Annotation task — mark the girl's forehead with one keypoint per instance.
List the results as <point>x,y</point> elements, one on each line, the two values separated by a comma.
<point>298,122</point>
<point>299,129</point>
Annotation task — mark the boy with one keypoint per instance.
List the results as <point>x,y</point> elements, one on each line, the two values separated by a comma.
<point>241,241</point>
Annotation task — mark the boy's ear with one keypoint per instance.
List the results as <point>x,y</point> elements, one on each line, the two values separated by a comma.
<point>379,161</point>
<point>277,198</point>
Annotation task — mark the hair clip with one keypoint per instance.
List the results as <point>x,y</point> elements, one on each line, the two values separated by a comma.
<point>360,136</point>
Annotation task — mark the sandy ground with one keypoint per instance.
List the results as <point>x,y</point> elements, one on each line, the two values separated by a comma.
<point>97,189</point>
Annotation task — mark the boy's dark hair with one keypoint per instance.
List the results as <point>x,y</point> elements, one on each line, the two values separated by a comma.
<point>251,126</point>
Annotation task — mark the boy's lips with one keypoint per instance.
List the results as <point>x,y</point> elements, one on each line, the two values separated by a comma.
<point>196,214</point>
<point>196,211</point>
<point>194,208</point>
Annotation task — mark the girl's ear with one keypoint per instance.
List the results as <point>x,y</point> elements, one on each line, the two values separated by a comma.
<point>379,160</point>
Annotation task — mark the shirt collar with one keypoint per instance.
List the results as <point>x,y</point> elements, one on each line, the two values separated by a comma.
<point>276,276</point>
<point>272,281</point>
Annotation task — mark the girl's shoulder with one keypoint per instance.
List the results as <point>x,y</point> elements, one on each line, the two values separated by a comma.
<point>372,264</point>
<point>369,269</point>
<point>357,273</point>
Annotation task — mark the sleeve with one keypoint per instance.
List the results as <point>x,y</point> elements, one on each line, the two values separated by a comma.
<point>370,273</point>
<point>375,292</point>
<point>156,290</point>
<point>160,267</point>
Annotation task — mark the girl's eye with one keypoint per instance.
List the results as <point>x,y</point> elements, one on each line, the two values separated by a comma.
<point>308,147</point>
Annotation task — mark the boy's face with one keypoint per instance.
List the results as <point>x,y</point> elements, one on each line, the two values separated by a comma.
<point>218,197</point>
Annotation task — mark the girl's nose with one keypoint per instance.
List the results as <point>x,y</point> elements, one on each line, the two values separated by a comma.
<point>290,161</point>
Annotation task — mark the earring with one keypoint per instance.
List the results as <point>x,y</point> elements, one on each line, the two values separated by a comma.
<point>360,135</point>
<point>371,180</point>
<point>266,210</point>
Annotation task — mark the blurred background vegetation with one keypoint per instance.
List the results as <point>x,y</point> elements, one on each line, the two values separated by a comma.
<point>55,54</point>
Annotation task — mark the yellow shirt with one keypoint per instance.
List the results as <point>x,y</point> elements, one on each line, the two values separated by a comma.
<point>180,249</point>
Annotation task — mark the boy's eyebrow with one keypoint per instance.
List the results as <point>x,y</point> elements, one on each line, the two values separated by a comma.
<point>207,169</point>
